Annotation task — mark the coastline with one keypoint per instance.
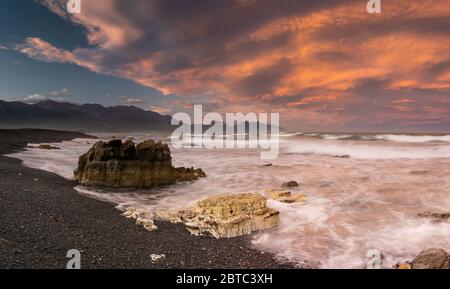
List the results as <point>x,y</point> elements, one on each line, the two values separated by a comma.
<point>43,217</point>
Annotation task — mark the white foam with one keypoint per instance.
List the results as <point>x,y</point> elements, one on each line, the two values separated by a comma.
<point>368,201</point>
<point>368,150</point>
<point>61,162</point>
<point>405,138</point>
<point>413,138</point>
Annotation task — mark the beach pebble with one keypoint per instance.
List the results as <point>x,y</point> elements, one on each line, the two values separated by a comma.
<point>157,257</point>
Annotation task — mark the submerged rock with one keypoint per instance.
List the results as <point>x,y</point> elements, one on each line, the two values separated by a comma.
<point>290,184</point>
<point>226,216</point>
<point>118,164</point>
<point>287,197</point>
<point>435,215</point>
<point>47,147</point>
<point>342,156</point>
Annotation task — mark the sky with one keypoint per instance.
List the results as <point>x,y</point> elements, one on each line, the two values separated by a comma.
<point>324,65</point>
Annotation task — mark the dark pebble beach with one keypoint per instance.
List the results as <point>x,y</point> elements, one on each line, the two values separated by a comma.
<point>43,217</point>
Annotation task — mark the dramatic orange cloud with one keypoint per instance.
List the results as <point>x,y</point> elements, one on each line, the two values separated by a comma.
<point>316,61</point>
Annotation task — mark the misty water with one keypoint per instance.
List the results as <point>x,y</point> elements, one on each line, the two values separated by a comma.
<point>369,200</point>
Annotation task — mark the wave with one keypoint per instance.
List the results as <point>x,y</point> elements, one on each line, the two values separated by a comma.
<point>413,138</point>
<point>368,151</point>
<point>383,137</point>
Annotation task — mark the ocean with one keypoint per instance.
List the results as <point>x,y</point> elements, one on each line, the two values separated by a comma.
<point>364,191</point>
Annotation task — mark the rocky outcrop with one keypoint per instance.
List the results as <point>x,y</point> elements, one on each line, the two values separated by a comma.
<point>428,259</point>
<point>117,164</point>
<point>286,197</point>
<point>226,216</point>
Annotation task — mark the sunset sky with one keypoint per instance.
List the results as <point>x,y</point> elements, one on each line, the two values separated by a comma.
<point>323,65</point>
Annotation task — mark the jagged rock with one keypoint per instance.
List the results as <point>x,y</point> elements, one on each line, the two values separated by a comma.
<point>148,224</point>
<point>290,184</point>
<point>226,216</point>
<point>286,197</point>
<point>431,259</point>
<point>177,217</point>
<point>435,215</point>
<point>142,217</point>
<point>118,164</point>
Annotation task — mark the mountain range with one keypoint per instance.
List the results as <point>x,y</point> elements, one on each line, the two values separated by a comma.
<point>87,117</point>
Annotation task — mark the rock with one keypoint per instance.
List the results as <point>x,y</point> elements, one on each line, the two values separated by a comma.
<point>117,164</point>
<point>419,173</point>
<point>287,197</point>
<point>342,156</point>
<point>188,174</point>
<point>157,257</point>
<point>227,216</point>
<point>267,165</point>
<point>404,266</point>
<point>290,184</point>
<point>142,217</point>
<point>148,224</point>
<point>177,217</point>
<point>435,215</point>
<point>134,213</point>
<point>431,259</point>
<point>47,147</point>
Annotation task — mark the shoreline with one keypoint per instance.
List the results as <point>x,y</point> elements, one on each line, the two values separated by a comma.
<point>44,217</point>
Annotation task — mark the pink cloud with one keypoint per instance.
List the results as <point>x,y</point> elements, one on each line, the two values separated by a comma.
<point>235,52</point>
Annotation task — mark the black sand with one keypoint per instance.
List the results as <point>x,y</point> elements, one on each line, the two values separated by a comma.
<point>42,217</point>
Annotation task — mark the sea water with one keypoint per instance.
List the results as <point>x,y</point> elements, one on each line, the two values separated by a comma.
<point>368,199</point>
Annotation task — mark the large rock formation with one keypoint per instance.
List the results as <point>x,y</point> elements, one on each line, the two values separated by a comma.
<point>226,216</point>
<point>117,164</point>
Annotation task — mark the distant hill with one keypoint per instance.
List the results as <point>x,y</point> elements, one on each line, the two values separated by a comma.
<point>87,117</point>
